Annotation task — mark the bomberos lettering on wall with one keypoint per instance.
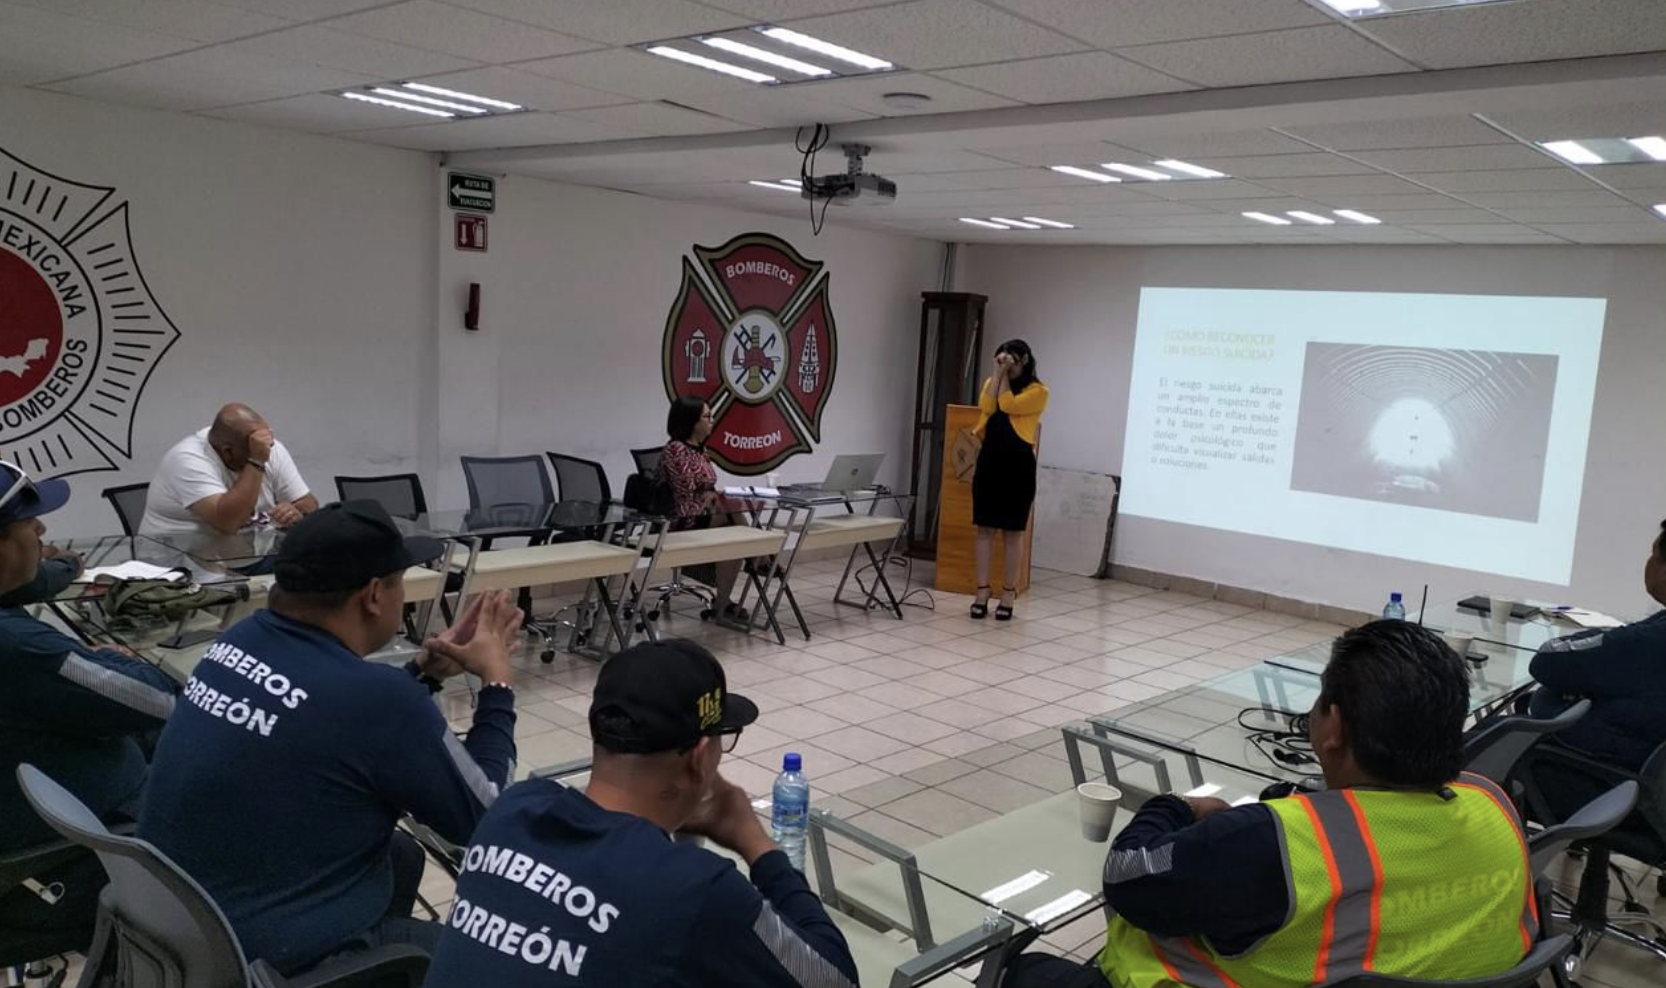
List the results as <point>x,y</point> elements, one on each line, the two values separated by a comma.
<point>751,333</point>
<point>80,331</point>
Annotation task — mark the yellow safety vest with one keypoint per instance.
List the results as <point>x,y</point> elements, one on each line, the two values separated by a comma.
<point>1405,884</point>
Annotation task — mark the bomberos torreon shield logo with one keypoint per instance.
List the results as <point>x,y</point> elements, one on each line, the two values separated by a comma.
<point>752,334</point>
<point>80,332</point>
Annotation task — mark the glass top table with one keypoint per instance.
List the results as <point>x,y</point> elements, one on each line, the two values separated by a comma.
<point>1527,635</point>
<point>101,551</point>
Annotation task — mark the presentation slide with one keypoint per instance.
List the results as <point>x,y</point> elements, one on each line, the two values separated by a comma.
<point>1447,429</point>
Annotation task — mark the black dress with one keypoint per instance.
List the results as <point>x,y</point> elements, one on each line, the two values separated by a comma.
<point>1003,488</point>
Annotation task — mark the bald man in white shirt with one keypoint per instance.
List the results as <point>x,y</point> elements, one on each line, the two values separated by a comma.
<point>226,477</point>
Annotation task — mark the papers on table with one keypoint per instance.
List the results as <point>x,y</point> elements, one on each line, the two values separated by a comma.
<point>1006,890</point>
<point>133,569</point>
<point>1042,915</point>
<point>752,491</point>
<point>1586,619</point>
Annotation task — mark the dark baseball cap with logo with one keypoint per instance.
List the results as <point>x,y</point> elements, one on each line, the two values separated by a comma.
<point>22,498</point>
<point>344,546</point>
<point>664,696</point>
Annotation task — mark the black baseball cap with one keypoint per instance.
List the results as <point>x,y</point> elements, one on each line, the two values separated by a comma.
<point>344,546</point>
<point>22,498</point>
<point>664,696</point>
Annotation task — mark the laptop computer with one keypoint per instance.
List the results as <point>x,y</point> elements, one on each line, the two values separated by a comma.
<point>848,472</point>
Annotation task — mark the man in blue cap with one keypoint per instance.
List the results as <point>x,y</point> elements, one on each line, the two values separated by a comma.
<point>79,714</point>
<point>283,773</point>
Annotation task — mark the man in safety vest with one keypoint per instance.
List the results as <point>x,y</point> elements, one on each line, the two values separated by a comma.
<point>1403,866</point>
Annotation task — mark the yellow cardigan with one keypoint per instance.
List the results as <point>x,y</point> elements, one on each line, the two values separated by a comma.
<point>1024,409</point>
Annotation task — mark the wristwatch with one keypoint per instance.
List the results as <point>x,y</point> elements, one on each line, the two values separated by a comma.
<point>258,465</point>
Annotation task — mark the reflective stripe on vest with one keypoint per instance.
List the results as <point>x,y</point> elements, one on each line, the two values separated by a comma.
<point>1350,931</point>
<point>1530,910</point>
<point>1188,964</point>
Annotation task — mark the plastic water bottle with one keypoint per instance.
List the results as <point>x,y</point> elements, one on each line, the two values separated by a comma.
<point>1395,610</point>
<point>791,814</point>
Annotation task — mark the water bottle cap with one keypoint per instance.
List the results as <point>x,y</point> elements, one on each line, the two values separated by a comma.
<point>1395,597</point>
<point>790,762</point>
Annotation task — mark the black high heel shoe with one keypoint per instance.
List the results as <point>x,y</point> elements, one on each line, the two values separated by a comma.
<point>1003,612</point>
<point>980,608</point>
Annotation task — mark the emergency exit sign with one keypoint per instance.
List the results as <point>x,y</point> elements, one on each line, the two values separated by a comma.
<point>476,193</point>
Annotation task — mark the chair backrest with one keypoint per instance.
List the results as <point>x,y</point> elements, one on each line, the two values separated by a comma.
<point>1494,749</point>
<point>579,480</point>
<point>1651,801</point>
<point>497,480</point>
<point>168,932</point>
<point>1544,955</point>
<point>647,460</point>
<point>400,493</point>
<point>1596,818</point>
<point>129,502</point>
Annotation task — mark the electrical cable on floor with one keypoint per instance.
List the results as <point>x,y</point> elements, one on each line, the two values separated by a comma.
<point>907,563</point>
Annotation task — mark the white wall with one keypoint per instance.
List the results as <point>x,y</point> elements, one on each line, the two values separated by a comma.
<point>1078,305</point>
<point>315,279</point>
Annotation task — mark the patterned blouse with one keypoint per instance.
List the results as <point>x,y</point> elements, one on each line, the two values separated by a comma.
<point>691,476</point>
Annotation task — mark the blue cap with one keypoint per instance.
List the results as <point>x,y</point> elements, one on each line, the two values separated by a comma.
<point>1395,597</point>
<point>790,762</point>
<point>35,499</point>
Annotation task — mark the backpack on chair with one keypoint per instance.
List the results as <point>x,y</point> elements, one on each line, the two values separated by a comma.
<point>649,492</point>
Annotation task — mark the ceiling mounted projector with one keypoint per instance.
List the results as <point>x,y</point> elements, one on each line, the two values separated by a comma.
<point>854,187</point>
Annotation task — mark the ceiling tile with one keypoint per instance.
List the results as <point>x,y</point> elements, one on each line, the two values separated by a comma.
<point>535,92</point>
<point>947,182</point>
<point>353,52</point>
<point>633,73</point>
<point>1646,197</point>
<point>1223,188</point>
<point>39,46</point>
<point>1425,132</point>
<point>1610,120</point>
<point>1513,180</point>
<point>1332,52</point>
<point>1343,185</point>
<point>1498,233</point>
<point>937,34</point>
<point>1494,34</point>
<point>616,22</point>
<point>1287,165</point>
<point>866,93</point>
<point>1381,235</point>
<point>1066,78</point>
<point>1488,157</point>
<point>778,10</point>
<point>512,130</point>
<point>316,113</point>
<point>208,77</point>
<point>1119,23</point>
<point>198,20</point>
<point>1610,233</point>
<point>455,31</point>
<point>1370,201</point>
<point>302,10</point>
<point>1628,213</point>
<point>1505,201</point>
<point>887,162</point>
<point>657,119</point>
<point>1201,147</point>
<point>1088,153</point>
<point>1649,176</point>
<point>1435,217</point>
<point>775,106</point>
<point>1016,178</point>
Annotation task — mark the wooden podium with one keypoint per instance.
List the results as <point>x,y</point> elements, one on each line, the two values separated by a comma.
<point>956,535</point>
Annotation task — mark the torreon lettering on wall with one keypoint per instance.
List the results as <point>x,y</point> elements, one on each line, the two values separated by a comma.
<point>751,332</point>
<point>80,332</point>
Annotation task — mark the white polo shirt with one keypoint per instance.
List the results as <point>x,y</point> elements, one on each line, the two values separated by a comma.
<point>192,471</point>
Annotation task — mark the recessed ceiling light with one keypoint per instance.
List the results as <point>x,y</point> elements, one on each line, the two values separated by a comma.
<point>1268,218</point>
<point>1014,223</point>
<point>1307,217</point>
<point>689,58</point>
<point>1055,224</point>
<point>1145,173</point>
<point>985,223</point>
<point>1660,207</point>
<point>1379,8</point>
<point>1353,6</point>
<point>1572,151</point>
<point>495,104</point>
<point>429,100</point>
<point>784,186</point>
<point>827,48</point>
<point>1356,216</point>
<point>395,104</point>
<point>762,55</point>
<point>1188,168</point>
<point>1654,147</point>
<point>1087,173</point>
<point>905,101</point>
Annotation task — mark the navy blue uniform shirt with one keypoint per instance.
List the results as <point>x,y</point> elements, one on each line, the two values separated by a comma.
<point>557,891</point>
<point>1623,671</point>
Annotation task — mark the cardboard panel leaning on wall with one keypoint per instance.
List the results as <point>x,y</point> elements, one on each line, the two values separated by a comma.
<point>297,269</point>
<point>1078,307</point>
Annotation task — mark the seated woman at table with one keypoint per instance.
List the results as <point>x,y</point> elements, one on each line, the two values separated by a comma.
<point>685,466</point>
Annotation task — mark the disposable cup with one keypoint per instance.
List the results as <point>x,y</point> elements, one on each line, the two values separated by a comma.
<point>1096,803</point>
<point>1458,642</point>
<point>1498,618</point>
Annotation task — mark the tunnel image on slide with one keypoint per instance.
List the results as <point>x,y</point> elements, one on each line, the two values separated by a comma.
<point>1450,430</point>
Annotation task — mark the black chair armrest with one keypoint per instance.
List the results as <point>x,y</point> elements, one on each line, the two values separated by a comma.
<point>371,967</point>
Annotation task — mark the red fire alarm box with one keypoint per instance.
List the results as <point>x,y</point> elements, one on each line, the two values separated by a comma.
<point>471,232</point>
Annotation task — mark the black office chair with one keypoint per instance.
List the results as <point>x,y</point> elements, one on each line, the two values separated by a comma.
<point>129,502</point>
<point>647,460</point>
<point>27,948</point>
<point>157,927</point>
<point>1542,958</point>
<point>1494,748</point>
<point>579,480</point>
<point>400,493</point>
<point>496,480</point>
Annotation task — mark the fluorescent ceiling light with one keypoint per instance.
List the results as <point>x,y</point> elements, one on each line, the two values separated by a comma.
<point>1145,173</point>
<point>1660,207</point>
<point>429,100</point>
<point>976,222</point>
<point>827,48</point>
<point>495,104</point>
<point>1654,147</point>
<point>783,186</point>
<point>1356,216</point>
<point>1307,217</point>
<point>1353,6</point>
<point>1055,224</point>
<point>1572,151</point>
<point>1014,223</point>
<point>1087,173</point>
<point>1359,9</point>
<point>763,55</point>
<point>1189,169</point>
<point>689,58</point>
<point>1268,218</point>
<point>379,101</point>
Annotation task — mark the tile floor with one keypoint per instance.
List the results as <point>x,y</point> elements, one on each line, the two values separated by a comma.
<point>914,729</point>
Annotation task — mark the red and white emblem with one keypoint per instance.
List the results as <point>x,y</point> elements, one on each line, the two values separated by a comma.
<point>751,333</point>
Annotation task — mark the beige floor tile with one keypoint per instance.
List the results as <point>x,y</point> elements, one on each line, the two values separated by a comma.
<point>995,791</point>
<point>851,708</point>
<point>907,761</point>
<point>897,831</point>
<point>1039,768</point>
<point>938,812</point>
<point>841,652</point>
<point>844,780</point>
<point>816,759</point>
<point>991,753</point>
<point>943,682</point>
<point>888,789</point>
<point>860,745</point>
<point>1081,675</point>
<point>802,689</point>
<point>1039,688</point>
<point>955,713</point>
<point>846,678</point>
<point>988,672</point>
<point>910,727</point>
<point>1007,729</point>
<point>800,722</point>
<point>902,696</point>
<point>889,668</point>
<point>939,772</point>
<point>1001,700</point>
